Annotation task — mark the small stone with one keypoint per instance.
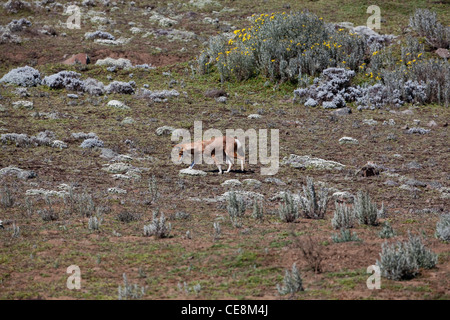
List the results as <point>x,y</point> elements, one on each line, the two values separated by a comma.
<point>192,172</point>
<point>165,130</point>
<point>117,190</point>
<point>118,105</point>
<point>254,116</point>
<point>348,140</point>
<point>231,183</point>
<point>443,53</point>
<point>23,104</point>
<point>252,182</point>
<point>432,124</point>
<point>128,120</point>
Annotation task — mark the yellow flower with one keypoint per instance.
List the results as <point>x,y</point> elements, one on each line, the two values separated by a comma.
<point>343,61</point>
<point>273,60</point>
<point>374,53</point>
<point>419,55</point>
<point>236,31</point>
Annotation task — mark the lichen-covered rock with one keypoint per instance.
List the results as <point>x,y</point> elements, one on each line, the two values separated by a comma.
<point>158,95</point>
<point>84,136</point>
<point>417,130</point>
<point>192,172</point>
<point>118,167</point>
<point>252,183</point>
<point>348,140</point>
<point>23,104</point>
<point>115,190</point>
<point>304,162</point>
<point>24,76</point>
<point>14,6</point>
<point>120,63</point>
<point>231,183</point>
<point>18,173</point>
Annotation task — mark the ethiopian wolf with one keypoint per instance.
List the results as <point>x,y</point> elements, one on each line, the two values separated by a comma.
<point>218,148</point>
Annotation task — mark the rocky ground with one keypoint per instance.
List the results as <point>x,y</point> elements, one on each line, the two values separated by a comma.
<point>86,145</point>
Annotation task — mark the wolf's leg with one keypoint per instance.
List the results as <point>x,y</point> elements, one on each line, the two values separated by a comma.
<point>242,164</point>
<point>192,165</point>
<point>230,163</point>
<point>217,163</point>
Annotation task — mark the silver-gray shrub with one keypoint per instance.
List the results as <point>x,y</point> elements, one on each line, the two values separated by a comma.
<point>94,223</point>
<point>6,197</point>
<point>426,24</point>
<point>69,80</point>
<point>387,231</point>
<point>130,291</point>
<point>18,25</point>
<point>344,216</point>
<point>235,208</point>
<point>83,203</point>
<point>158,227</point>
<point>217,230</point>
<point>288,210</point>
<point>94,87</point>
<point>258,210</point>
<point>121,87</point>
<point>283,47</point>
<point>366,211</point>
<point>292,282</point>
<point>443,227</point>
<point>344,236</point>
<point>20,139</point>
<point>402,260</point>
<point>99,35</point>
<point>16,231</point>
<point>24,76</point>
<point>331,90</point>
<point>153,189</point>
<point>313,204</point>
<point>92,143</point>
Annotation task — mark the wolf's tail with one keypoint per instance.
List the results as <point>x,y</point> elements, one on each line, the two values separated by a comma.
<point>239,149</point>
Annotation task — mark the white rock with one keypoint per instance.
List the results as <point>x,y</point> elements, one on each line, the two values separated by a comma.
<point>120,63</point>
<point>304,162</point>
<point>192,172</point>
<point>164,130</point>
<point>348,140</point>
<point>23,104</point>
<point>254,116</point>
<point>231,183</point>
<point>118,105</point>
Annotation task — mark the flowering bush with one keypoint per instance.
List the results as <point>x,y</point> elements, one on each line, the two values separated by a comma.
<point>283,47</point>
